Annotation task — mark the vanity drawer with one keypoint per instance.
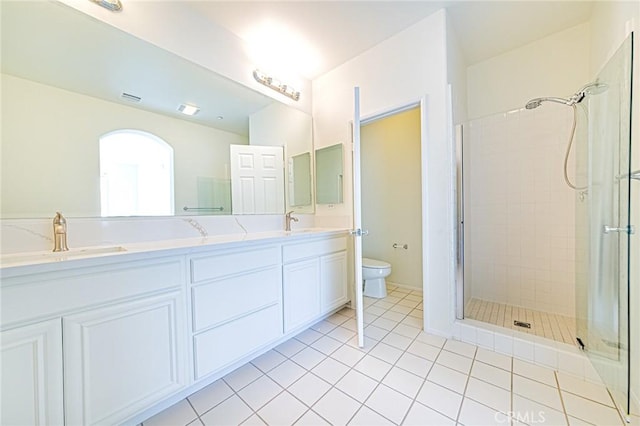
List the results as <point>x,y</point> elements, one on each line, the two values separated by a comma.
<point>41,296</point>
<point>219,265</point>
<point>293,252</point>
<point>221,346</point>
<point>229,298</point>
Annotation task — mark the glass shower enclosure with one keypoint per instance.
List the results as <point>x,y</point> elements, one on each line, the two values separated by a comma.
<point>603,227</point>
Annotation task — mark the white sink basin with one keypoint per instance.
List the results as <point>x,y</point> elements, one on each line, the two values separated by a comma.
<point>50,256</point>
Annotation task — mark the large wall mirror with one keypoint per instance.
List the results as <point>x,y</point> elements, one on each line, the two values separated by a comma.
<point>69,80</point>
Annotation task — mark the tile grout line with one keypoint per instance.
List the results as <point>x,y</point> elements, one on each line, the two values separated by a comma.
<point>464,392</point>
<point>564,408</point>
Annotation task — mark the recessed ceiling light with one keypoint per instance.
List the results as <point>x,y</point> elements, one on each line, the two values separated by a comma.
<point>188,109</point>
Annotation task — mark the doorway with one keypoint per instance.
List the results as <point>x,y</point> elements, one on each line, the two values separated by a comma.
<point>391,194</point>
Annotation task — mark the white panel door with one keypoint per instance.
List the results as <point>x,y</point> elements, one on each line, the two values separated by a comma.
<point>121,359</point>
<point>257,179</point>
<point>32,375</point>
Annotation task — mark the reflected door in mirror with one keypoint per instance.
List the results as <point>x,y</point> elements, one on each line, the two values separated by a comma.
<point>257,179</point>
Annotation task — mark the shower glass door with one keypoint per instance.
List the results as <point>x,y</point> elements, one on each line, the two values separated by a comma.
<point>603,279</point>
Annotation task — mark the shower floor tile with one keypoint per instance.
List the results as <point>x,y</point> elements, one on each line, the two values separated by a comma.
<point>544,324</point>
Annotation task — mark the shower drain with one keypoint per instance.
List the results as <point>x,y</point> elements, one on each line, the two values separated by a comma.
<point>521,324</point>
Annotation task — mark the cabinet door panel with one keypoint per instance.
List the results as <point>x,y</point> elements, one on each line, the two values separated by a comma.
<point>121,359</point>
<point>333,273</point>
<point>301,293</point>
<point>32,375</point>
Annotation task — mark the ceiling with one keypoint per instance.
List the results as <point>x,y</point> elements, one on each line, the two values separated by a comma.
<point>340,30</point>
<point>80,54</point>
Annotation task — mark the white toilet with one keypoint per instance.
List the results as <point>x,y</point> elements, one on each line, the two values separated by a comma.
<point>373,274</point>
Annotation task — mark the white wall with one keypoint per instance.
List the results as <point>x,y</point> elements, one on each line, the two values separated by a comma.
<point>611,23</point>
<point>50,149</point>
<point>397,72</point>
<point>391,198</point>
<point>278,125</point>
<point>557,65</point>
<point>457,75</point>
<point>174,26</point>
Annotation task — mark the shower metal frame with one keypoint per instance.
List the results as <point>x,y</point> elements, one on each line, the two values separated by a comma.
<point>459,136</point>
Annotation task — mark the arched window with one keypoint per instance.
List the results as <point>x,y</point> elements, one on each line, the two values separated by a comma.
<point>136,174</point>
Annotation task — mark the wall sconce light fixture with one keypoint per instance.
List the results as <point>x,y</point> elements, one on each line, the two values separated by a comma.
<point>276,85</point>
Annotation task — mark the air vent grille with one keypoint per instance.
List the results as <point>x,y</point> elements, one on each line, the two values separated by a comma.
<point>131,98</point>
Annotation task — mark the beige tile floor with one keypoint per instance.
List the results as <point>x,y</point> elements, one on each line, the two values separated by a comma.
<point>551,326</point>
<point>402,376</point>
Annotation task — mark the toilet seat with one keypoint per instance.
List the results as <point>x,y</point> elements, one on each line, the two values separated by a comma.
<point>375,264</point>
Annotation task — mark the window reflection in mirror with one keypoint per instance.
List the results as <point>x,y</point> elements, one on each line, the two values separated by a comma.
<point>136,174</point>
<point>300,180</point>
<point>329,179</point>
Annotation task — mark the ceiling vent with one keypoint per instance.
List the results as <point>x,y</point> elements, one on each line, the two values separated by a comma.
<point>131,98</point>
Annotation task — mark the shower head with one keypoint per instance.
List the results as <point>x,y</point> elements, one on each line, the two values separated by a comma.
<point>594,88</point>
<point>535,103</point>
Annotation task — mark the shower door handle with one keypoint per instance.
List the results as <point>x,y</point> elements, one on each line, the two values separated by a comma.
<point>627,229</point>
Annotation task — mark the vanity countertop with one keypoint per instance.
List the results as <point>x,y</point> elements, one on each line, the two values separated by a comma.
<point>42,261</point>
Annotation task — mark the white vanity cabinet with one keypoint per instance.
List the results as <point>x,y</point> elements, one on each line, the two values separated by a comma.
<point>113,333</point>
<point>236,302</point>
<point>314,281</point>
<point>32,375</point>
<point>115,339</point>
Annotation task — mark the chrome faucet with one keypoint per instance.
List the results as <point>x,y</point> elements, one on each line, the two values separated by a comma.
<point>287,221</point>
<point>60,233</point>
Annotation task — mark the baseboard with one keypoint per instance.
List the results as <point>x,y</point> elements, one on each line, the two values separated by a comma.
<point>404,286</point>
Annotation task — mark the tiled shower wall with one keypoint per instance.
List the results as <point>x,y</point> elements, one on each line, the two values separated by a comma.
<point>519,213</point>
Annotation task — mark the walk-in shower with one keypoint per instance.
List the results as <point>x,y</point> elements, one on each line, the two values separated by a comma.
<point>547,257</point>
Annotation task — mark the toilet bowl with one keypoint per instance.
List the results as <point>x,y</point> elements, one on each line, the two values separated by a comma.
<point>373,275</point>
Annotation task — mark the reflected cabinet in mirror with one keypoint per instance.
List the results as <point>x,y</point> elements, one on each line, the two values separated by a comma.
<point>329,181</point>
<point>91,127</point>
